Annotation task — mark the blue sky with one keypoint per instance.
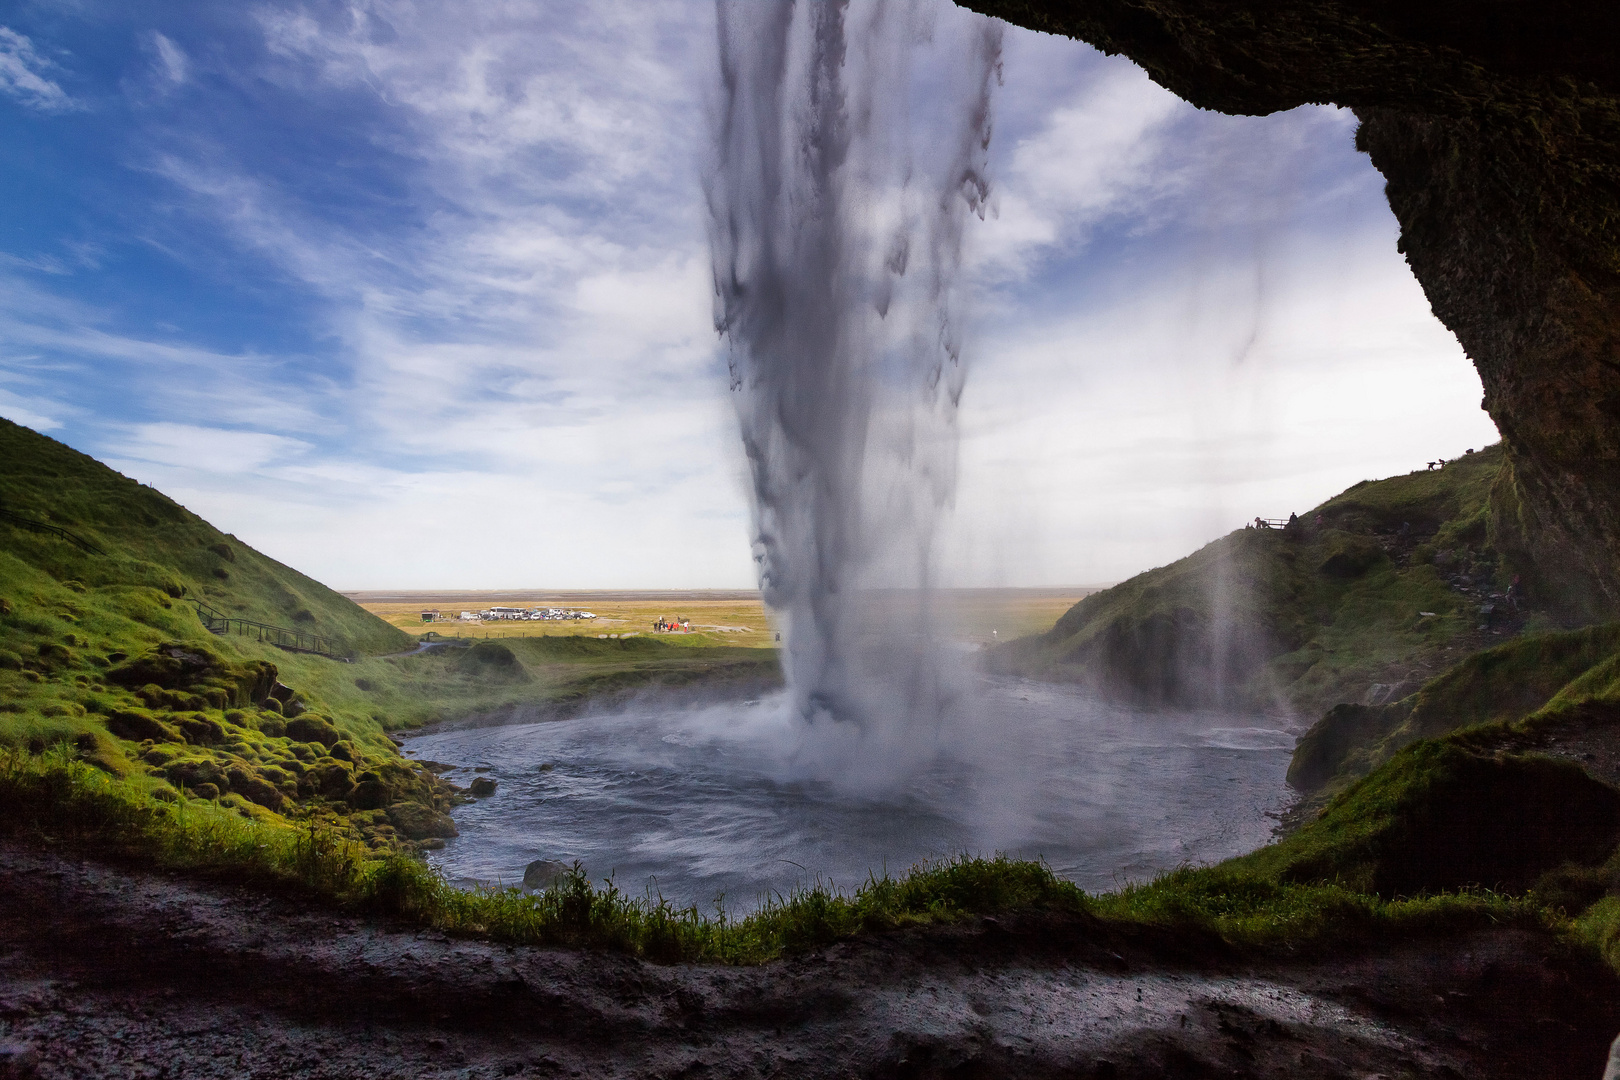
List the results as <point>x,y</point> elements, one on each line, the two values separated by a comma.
<point>416,295</point>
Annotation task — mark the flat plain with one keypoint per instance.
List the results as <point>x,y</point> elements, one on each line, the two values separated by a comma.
<point>718,617</point>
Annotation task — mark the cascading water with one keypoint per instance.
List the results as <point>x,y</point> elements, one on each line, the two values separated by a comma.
<point>850,146</point>
<point>850,151</point>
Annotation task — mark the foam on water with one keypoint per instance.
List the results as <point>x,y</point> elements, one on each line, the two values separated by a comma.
<point>695,803</point>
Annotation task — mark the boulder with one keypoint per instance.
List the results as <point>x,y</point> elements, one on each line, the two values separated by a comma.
<point>313,728</point>
<point>330,781</point>
<point>420,822</point>
<point>192,670</point>
<point>199,730</point>
<point>543,873</point>
<point>196,775</point>
<point>483,787</point>
<point>255,788</point>
<point>369,795</point>
<point>139,726</point>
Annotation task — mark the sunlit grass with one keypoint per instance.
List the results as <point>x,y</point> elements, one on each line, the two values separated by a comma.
<point>54,799</point>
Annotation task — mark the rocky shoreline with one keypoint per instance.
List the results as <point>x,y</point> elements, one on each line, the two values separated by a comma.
<point>108,970</point>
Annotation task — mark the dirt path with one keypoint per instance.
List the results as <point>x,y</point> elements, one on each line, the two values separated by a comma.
<point>106,972</point>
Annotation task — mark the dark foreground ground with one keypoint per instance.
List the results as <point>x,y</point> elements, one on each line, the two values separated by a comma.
<point>108,972</point>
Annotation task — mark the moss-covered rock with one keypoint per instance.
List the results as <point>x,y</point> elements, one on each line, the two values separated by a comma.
<point>201,730</point>
<point>331,780</point>
<point>191,773</point>
<point>255,788</point>
<point>419,822</point>
<point>138,726</point>
<point>1440,815</point>
<point>313,729</point>
<point>197,673</point>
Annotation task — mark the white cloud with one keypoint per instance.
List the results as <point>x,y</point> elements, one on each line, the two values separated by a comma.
<point>210,450</point>
<point>1095,154</point>
<point>172,63</point>
<point>1126,435</point>
<point>22,74</point>
<point>24,410</point>
<point>1187,319</point>
<point>547,326</point>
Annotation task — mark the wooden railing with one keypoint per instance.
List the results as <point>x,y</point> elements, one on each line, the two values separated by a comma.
<point>217,622</point>
<point>46,527</point>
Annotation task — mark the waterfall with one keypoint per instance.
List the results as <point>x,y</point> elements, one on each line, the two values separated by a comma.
<point>850,143</point>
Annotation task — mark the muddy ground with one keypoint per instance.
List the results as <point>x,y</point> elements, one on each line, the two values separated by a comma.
<point>108,971</point>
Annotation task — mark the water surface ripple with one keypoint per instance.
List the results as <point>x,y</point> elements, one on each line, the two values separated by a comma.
<point>697,803</point>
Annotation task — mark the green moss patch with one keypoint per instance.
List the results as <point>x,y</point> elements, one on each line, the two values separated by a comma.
<point>1239,904</point>
<point>1547,672</point>
<point>1443,816</point>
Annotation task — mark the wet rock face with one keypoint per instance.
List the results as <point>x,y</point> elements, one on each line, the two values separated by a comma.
<point>1512,231</point>
<point>1497,127</point>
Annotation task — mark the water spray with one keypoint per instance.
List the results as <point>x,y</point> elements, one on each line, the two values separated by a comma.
<point>850,151</point>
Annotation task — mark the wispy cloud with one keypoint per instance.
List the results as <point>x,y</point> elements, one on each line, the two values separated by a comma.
<point>226,451</point>
<point>171,61</point>
<point>23,74</point>
<point>432,301</point>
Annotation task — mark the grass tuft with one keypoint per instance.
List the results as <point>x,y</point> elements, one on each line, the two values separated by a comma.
<point>56,799</point>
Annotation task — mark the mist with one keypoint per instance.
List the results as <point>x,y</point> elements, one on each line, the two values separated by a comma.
<point>850,148</point>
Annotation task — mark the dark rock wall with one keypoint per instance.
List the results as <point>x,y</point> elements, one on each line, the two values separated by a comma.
<point>1496,124</point>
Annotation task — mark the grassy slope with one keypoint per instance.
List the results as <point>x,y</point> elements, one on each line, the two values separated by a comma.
<point>1302,618</point>
<point>1538,674</point>
<point>1328,617</point>
<point>155,543</point>
<point>101,650</point>
<point>553,675</point>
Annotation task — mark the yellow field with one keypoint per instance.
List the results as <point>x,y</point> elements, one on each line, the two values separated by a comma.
<point>717,617</point>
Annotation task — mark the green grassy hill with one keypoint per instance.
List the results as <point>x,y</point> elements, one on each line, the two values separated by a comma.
<point>153,542</point>
<point>102,652</point>
<point>1367,598</point>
